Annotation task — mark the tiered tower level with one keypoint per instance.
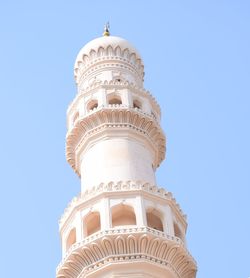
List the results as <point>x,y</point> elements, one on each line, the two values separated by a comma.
<point>121,224</point>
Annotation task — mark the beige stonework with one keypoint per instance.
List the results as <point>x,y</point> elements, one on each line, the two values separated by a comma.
<point>121,224</point>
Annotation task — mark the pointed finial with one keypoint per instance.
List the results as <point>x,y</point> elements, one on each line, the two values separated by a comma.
<point>106,30</point>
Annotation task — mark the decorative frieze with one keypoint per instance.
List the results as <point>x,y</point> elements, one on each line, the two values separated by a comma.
<point>113,118</point>
<point>88,60</point>
<point>135,244</point>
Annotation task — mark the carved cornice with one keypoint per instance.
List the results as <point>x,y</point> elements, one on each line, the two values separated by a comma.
<point>114,118</point>
<point>131,245</point>
<point>107,55</point>
<point>108,64</point>
<point>113,84</point>
<point>119,187</point>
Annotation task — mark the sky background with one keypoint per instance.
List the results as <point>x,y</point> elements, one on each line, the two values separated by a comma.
<point>197,64</point>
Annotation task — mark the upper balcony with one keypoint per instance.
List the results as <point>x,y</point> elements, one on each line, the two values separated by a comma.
<point>115,94</point>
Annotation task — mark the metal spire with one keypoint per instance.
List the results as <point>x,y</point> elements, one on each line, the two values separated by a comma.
<point>106,30</point>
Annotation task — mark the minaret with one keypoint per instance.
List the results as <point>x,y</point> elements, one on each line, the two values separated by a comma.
<point>121,224</point>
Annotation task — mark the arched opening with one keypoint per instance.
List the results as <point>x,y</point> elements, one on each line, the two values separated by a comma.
<point>154,220</point>
<point>92,223</point>
<point>177,231</point>
<point>92,105</point>
<point>71,239</point>
<point>114,100</point>
<point>137,104</point>
<point>123,215</point>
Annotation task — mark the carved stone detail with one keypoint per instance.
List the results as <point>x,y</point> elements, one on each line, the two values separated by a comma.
<point>128,186</point>
<point>119,57</point>
<point>114,134</point>
<point>113,84</point>
<point>111,118</point>
<point>131,244</point>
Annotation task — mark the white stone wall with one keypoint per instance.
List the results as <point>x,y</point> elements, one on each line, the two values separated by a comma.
<point>116,159</point>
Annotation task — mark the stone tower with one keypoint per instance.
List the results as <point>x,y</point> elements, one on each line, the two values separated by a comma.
<point>121,224</point>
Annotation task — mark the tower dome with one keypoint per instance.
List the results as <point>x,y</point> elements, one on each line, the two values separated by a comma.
<point>105,42</point>
<point>108,52</point>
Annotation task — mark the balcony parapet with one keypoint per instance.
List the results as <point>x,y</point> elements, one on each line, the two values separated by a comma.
<point>128,186</point>
<point>142,127</point>
<point>117,85</point>
<point>127,244</point>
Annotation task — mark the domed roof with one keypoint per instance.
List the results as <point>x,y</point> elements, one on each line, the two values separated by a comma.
<point>105,42</point>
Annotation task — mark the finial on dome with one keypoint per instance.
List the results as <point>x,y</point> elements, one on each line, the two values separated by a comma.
<point>106,30</point>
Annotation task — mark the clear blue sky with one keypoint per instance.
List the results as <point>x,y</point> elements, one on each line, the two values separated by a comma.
<point>197,62</point>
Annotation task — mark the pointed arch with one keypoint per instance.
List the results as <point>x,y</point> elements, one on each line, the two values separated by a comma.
<point>137,104</point>
<point>114,99</point>
<point>91,223</point>
<point>92,53</point>
<point>92,104</point>
<point>154,219</point>
<point>100,51</point>
<point>71,239</point>
<point>118,51</point>
<point>123,215</point>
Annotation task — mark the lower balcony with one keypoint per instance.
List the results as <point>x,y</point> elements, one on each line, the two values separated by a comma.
<point>119,246</point>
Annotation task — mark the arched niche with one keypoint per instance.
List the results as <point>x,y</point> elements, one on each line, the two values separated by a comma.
<point>91,223</point>
<point>92,105</point>
<point>123,215</point>
<point>114,100</point>
<point>71,239</point>
<point>137,104</point>
<point>154,220</point>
